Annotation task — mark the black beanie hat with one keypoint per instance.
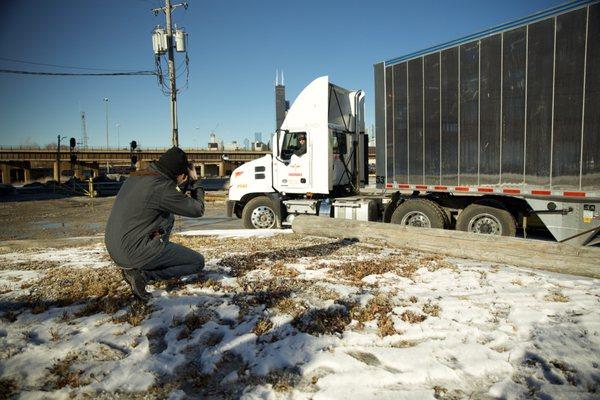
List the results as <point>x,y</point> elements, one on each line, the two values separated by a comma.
<point>173,162</point>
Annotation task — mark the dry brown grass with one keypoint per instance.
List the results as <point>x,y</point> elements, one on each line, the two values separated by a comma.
<point>8,388</point>
<point>65,286</point>
<point>323,321</point>
<point>195,319</point>
<point>62,374</point>
<point>136,313</point>
<point>263,325</point>
<point>568,371</point>
<point>267,292</point>
<point>282,248</point>
<point>284,380</point>
<point>433,262</point>
<point>107,305</point>
<point>192,321</point>
<point>37,265</point>
<point>280,269</point>
<point>385,326</point>
<point>412,317</point>
<point>9,316</point>
<point>557,297</point>
<point>214,247</point>
<point>379,308</point>
<point>289,306</point>
<point>404,344</point>
<point>431,309</point>
<point>357,270</point>
<point>55,335</point>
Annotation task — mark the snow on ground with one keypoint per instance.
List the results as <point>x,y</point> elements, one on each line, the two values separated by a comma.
<point>235,233</point>
<point>286,316</point>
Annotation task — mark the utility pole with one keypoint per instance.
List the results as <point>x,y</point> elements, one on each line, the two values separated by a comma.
<point>167,9</point>
<point>58,156</point>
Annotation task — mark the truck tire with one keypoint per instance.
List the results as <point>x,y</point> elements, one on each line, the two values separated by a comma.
<point>487,219</point>
<point>259,213</point>
<point>421,213</point>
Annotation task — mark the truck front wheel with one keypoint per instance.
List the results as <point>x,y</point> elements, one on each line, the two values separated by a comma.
<point>478,218</point>
<point>420,213</point>
<point>259,213</point>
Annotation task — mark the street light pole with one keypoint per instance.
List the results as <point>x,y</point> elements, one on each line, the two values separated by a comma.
<point>106,114</point>
<point>58,156</point>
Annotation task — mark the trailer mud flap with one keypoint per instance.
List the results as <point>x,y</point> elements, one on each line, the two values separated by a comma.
<point>277,207</point>
<point>391,207</point>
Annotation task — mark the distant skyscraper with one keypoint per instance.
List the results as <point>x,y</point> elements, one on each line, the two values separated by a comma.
<point>280,102</point>
<point>258,136</point>
<point>246,144</point>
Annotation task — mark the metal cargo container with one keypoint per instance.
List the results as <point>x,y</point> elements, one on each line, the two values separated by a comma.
<point>513,110</point>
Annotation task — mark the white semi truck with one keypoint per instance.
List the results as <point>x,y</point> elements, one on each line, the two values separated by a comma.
<point>497,134</point>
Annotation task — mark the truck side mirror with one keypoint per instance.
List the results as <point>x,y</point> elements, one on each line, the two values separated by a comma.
<point>278,135</point>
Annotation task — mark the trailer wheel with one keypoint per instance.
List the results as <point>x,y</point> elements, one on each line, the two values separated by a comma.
<point>259,213</point>
<point>420,213</point>
<point>488,220</point>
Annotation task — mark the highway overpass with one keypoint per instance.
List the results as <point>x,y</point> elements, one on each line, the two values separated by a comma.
<point>17,163</point>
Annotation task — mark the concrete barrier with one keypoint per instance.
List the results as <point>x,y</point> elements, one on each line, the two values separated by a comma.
<point>529,253</point>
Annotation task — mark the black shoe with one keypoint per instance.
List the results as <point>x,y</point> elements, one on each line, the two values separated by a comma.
<point>137,283</point>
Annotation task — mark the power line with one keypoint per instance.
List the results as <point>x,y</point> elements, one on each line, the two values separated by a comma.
<point>10,71</point>
<point>62,66</point>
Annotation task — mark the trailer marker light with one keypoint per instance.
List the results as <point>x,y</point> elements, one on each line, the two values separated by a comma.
<point>512,191</point>
<point>574,194</point>
<point>461,188</point>
<point>485,190</point>
<point>541,192</point>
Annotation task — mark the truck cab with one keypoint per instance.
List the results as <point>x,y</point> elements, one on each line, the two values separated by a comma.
<point>318,154</point>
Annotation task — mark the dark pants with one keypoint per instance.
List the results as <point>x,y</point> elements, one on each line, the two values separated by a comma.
<point>174,261</point>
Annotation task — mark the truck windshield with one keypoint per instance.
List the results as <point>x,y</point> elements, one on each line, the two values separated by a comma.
<point>294,143</point>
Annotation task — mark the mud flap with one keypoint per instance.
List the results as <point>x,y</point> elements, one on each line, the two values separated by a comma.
<point>277,207</point>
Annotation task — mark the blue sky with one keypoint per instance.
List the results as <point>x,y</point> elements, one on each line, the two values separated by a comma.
<point>234,49</point>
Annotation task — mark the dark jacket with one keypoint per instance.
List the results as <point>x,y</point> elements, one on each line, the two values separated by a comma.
<point>144,205</point>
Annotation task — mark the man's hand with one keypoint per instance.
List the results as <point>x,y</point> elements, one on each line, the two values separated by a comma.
<point>197,191</point>
<point>193,176</point>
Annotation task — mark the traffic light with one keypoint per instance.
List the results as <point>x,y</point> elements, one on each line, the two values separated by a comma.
<point>134,157</point>
<point>72,144</point>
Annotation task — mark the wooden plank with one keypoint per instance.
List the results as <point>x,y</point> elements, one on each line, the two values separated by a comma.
<point>549,256</point>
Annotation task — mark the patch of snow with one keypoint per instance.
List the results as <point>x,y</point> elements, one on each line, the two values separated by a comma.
<point>236,233</point>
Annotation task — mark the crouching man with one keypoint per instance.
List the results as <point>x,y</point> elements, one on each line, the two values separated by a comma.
<point>138,229</point>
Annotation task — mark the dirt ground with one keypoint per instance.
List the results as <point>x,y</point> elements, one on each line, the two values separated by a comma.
<point>77,216</point>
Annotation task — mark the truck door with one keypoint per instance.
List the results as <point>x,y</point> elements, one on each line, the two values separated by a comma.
<point>292,170</point>
<point>340,165</point>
